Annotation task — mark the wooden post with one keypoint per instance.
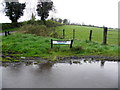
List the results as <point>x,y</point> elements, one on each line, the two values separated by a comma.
<point>51,43</point>
<point>63,33</point>
<point>73,34</point>
<point>90,37</point>
<point>5,33</point>
<point>71,43</point>
<point>105,36</point>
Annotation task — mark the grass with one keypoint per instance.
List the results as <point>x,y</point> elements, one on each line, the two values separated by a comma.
<point>82,33</point>
<point>29,45</point>
<point>26,44</point>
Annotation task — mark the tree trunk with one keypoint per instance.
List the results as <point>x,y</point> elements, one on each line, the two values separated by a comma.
<point>14,21</point>
<point>42,18</point>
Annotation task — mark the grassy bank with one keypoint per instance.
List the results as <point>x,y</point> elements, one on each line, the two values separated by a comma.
<point>28,45</point>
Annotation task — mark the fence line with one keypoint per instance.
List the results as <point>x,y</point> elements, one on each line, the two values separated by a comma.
<point>77,35</point>
<point>114,30</point>
<point>114,38</point>
<point>112,34</point>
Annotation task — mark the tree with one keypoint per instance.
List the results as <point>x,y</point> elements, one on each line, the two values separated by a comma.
<point>55,19</point>
<point>52,19</point>
<point>60,20</point>
<point>14,10</point>
<point>65,21</point>
<point>43,9</point>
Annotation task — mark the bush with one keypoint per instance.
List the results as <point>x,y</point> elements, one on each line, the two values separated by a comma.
<point>55,35</point>
<point>40,30</point>
<point>10,25</point>
<point>50,23</point>
<point>32,22</point>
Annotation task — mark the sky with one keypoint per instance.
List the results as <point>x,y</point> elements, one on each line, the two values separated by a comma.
<point>90,12</point>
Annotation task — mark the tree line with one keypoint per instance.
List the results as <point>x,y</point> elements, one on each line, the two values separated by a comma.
<point>65,21</point>
<point>14,10</point>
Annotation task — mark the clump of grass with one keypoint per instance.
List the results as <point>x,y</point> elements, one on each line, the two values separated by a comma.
<point>77,49</point>
<point>93,48</point>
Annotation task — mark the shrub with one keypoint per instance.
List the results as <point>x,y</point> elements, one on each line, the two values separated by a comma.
<point>32,22</point>
<point>40,30</point>
<point>11,25</point>
<point>50,23</point>
<point>54,34</point>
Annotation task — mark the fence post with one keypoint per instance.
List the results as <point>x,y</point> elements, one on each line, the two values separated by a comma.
<point>90,37</point>
<point>63,33</point>
<point>73,34</point>
<point>105,35</point>
<point>51,43</point>
<point>71,43</point>
<point>5,33</point>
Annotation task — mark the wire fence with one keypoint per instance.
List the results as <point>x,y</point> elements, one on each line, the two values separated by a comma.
<point>113,36</point>
<point>99,35</point>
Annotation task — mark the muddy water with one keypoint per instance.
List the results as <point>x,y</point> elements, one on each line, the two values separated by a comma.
<point>78,74</point>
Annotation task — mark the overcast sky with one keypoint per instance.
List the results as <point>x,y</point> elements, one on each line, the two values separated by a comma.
<point>94,12</point>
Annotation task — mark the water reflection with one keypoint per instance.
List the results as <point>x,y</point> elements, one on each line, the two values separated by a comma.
<point>69,74</point>
<point>102,63</point>
<point>45,66</point>
<point>48,65</point>
<point>85,61</point>
<point>29,63</point>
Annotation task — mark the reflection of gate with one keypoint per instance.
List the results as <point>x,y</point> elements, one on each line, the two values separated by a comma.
<point>113,36</point>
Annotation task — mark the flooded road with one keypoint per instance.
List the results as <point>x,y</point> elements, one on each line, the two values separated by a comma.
<point>83,74</point>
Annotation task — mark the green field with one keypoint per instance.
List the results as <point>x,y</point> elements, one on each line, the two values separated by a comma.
<point>82,33</point>
<point>31,44</point>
